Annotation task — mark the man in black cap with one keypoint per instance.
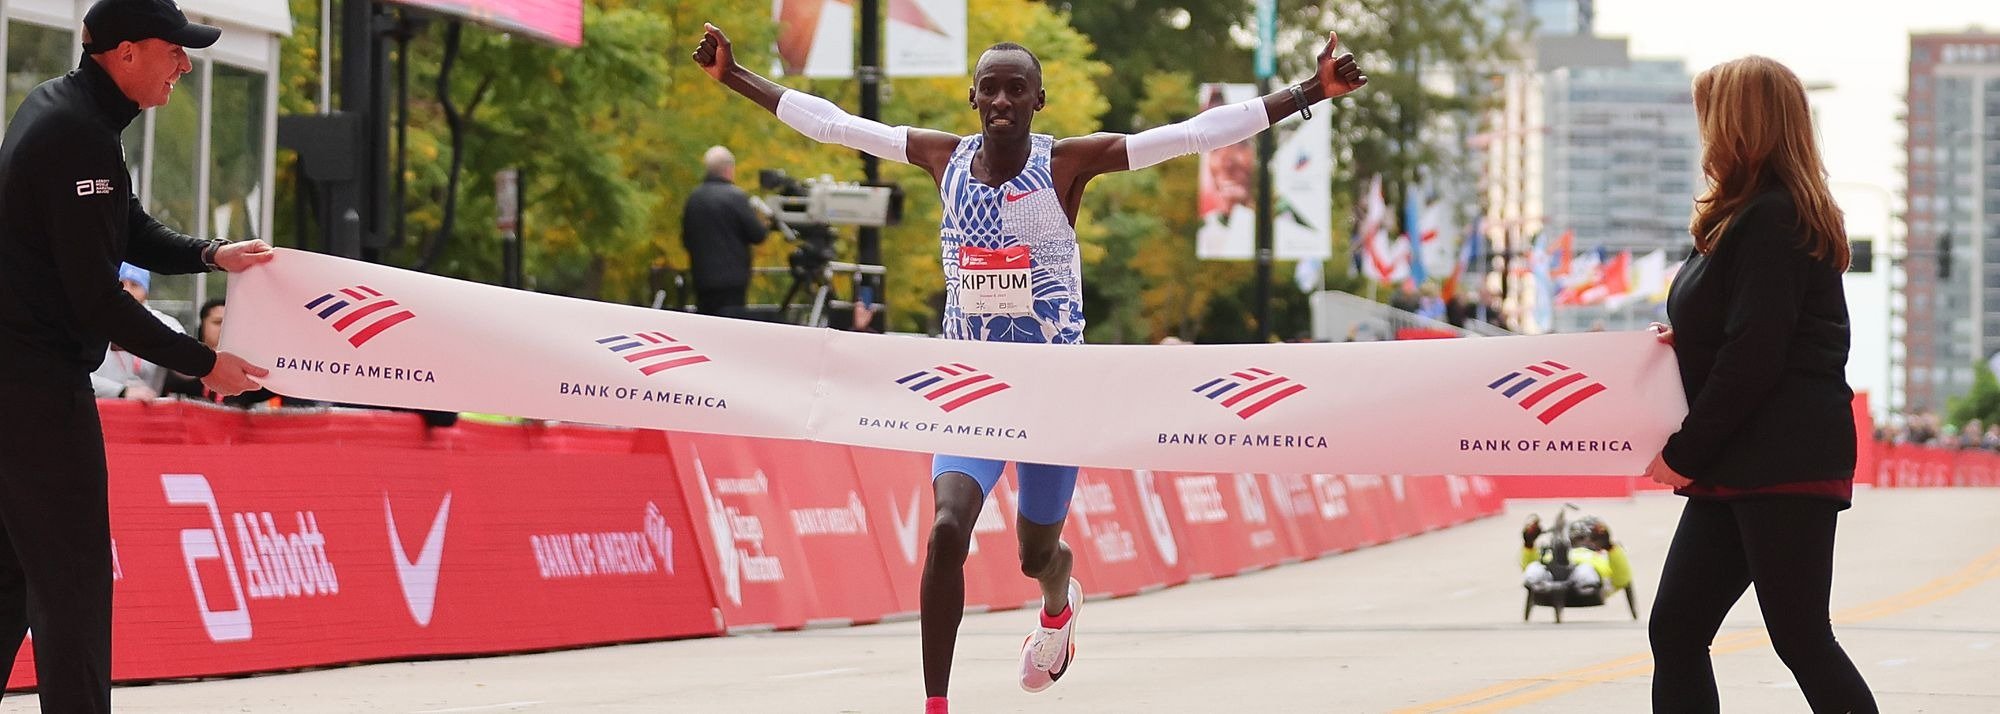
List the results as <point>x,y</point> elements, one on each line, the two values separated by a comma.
<point>67,219</point>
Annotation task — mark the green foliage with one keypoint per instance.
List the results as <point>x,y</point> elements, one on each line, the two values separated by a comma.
<point>609,138</point>
<point>1982,403</point>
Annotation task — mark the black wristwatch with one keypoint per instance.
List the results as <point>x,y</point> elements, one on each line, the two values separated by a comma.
<point>208,254</point>
<point>1299,98</point>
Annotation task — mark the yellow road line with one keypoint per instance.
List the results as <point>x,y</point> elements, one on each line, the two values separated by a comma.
<point>1509,694</point>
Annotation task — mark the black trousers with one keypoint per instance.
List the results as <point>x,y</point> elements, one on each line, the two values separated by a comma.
<point>726,302</point>
<point>55,543</point>
<point>1785,547</point>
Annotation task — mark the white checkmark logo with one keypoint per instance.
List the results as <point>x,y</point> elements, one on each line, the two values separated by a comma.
<point>906,527</point>
<point>419,578</point>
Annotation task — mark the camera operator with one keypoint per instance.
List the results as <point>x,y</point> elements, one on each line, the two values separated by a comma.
<point>718,227</point>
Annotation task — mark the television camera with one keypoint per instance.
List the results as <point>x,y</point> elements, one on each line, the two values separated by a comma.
<point>805,212</point>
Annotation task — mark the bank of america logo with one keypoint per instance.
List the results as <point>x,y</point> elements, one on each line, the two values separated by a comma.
<point>1249,391</point>
<point>359,313</point>
<point>652,352</point>
<point>950,386</point>
<point>1547,389</point>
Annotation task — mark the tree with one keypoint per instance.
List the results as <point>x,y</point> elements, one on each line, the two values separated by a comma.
<point>1982,403</point>
<point>1402,124</point>
<point>1144,38</point>
<point>609,137</point>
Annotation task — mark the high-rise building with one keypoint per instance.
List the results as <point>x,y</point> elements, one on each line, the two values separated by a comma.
<point>1950,302</point>
<point>1591,141</point>
<point>1561,17</point>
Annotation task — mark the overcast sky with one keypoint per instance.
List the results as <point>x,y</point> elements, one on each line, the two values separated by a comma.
<point>1862,48</point>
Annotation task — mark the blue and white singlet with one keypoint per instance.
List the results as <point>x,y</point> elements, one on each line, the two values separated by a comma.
<point>1012,271</point>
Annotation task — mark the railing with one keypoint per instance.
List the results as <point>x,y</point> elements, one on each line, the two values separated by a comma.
<point>1336,316</point>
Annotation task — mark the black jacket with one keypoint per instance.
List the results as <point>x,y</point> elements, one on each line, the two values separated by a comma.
<point>718,228</point>
<point>67,218</point>
<point>1761,335</point>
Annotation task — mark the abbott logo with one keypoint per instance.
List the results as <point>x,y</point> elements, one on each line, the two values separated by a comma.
<point>211,543</point>
<point>419,578</point>
<point>348,307</point>
<point>1546,381</point>
<point>1249,391</point>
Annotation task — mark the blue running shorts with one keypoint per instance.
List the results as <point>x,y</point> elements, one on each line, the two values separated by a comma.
<point>1045,489</point>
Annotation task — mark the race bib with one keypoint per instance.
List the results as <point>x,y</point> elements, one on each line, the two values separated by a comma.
<point>995,282</point>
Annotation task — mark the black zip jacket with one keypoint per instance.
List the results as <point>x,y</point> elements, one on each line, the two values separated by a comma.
<point>718,226</point>
<point>1761,335</point>
<point>67,218</point>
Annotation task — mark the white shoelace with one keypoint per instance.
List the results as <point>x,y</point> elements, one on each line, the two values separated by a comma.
<point>1046,647</point>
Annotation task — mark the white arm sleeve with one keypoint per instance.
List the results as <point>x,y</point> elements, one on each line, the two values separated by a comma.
<point>1207,131</point>
<point>825,122</point>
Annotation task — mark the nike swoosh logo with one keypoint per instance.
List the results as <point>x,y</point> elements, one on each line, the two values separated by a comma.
<point>420,578</point>
<point>1012,197</point>
<point>906,528</point>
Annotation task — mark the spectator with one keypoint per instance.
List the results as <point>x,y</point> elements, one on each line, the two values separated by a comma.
<point>124,375</point>
<point>718,227</point>
<point>208,328</point>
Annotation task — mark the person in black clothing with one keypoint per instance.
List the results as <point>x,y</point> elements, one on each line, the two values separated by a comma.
<point>718,227</point>
<point>208,329</point>
<point>67,218</point>
<point>1766,454</point>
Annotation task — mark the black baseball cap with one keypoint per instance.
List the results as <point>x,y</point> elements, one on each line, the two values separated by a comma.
<point>110,23</point>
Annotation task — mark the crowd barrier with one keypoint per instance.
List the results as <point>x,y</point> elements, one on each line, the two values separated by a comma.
<point>250,542</point>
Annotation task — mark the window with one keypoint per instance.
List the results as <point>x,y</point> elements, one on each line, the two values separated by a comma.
<point>236,154</point>
<point>175,183</point>
<point>236,159</point>
<point>35,54</point>
<point>176,146</point>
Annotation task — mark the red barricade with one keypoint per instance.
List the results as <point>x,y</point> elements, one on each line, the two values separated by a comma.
<point>1905,466</point>
<point>897,488</point>
<point>1116,551</point>
<point>788,539</point>
<point>259,557</point>
<point>250,542</point>
<point>1221,523</point>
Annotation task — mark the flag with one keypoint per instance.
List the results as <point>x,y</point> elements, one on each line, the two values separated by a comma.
<point>1413,232</point>
<point>1649,276</point>
<point>1585,271</point>
<point>1310,275</point>
<point>1468,254</point>
<point>1542,263</point>
<point>1612,284</point>
<point>1439,238</point>
<point>1565,247</point>
<point>1376,255</point>
<point>1388,260</point>
<point>1666,283</point>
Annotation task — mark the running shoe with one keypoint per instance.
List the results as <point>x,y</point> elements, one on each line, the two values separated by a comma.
<point>1046,654</point>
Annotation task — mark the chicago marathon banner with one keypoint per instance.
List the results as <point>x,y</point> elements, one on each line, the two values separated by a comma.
<point>353,332</point>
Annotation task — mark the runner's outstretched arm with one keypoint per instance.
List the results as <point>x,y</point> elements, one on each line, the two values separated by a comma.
<point>1106,152</point>
<point>819,119</point>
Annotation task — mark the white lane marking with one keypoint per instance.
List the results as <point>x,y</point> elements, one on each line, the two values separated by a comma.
<point>480,708</point>
<point>818,673</point>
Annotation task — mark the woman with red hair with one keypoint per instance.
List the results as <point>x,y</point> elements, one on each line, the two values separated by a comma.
<point>1766,454</point>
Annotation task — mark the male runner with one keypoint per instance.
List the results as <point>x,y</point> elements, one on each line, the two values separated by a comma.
<point>1010,203</point>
